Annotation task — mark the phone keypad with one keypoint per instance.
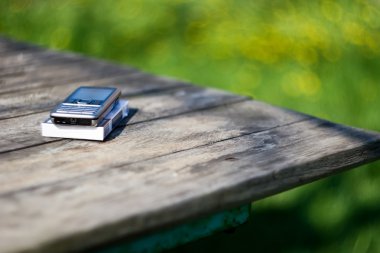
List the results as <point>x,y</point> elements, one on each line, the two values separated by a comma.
<point>75,109</point>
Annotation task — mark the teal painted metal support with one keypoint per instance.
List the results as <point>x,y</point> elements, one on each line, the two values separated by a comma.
<point>184,233</point>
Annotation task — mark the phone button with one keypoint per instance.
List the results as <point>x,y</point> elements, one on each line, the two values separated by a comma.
<point>89,111</point>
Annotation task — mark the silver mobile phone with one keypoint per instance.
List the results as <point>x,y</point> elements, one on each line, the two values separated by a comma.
<point>85,106</point>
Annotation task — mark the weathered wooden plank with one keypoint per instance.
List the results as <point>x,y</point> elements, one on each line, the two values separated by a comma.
<point>138,142</point>
<point>152,193</point>
<point>9,60</point>
<point>52,73</point>
<point>8,45</point>
<point>46,83</point>
<point>45,98</point>
<point>150,106</point>
<point>39,73</point>
<point>42,68</point>
<point>47,76</point>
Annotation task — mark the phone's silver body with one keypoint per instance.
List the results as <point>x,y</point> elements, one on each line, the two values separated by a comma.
<point>85,106</point>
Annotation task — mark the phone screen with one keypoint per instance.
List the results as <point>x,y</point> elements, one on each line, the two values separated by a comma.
<point>90,95</point>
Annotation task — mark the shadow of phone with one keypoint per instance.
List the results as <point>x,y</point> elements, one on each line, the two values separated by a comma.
<point>122,124</point>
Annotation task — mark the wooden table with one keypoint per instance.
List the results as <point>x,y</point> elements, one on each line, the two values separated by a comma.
<point>187,152</point>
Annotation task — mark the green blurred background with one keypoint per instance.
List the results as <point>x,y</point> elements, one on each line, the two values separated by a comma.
<point>318,57</point>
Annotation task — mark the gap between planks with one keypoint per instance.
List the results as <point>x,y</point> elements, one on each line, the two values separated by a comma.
<point>130,95</point>
<point>138,142</point>
<point>52,183</point>
<point>170,101</point>
<point>131,84</point>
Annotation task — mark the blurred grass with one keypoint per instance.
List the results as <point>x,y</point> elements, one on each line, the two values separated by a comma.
<point>318,57</point>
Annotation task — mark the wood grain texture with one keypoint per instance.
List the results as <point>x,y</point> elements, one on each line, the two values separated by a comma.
<point>137,142</point>
<point>186,152</point>
<point>45,98</point>
<point>50,74</point>
<point>164,103</point>
<point>48,70</point>
<point>146,194</point>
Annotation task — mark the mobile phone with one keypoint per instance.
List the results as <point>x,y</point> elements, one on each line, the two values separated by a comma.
<point>87,106</point>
